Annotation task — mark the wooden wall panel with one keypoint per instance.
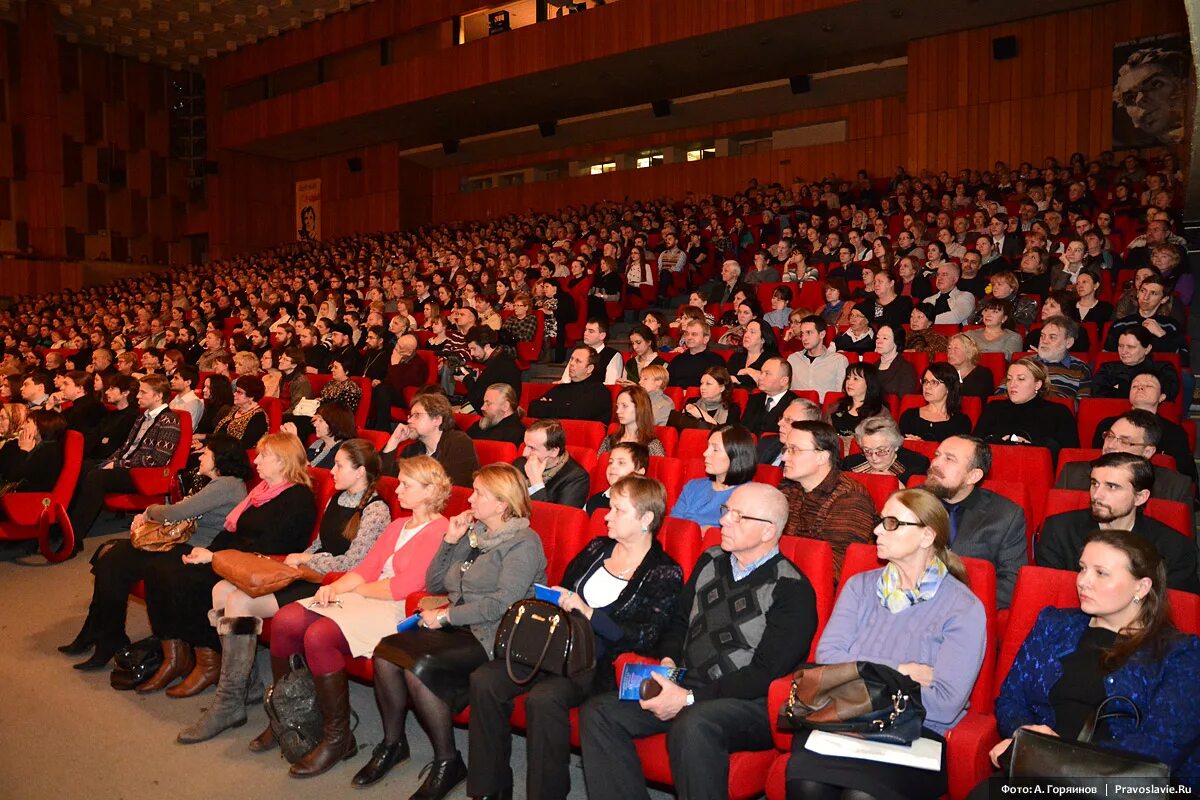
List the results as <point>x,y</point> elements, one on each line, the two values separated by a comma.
<point>967,109</point>
<point>579,38</point>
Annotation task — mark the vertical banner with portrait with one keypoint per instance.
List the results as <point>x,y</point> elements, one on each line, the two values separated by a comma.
<point>1150,91</point>
<point>308,210</point>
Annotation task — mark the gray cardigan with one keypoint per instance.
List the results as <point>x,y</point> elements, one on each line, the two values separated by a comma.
<point>211,505</point>
<point>499,577</point>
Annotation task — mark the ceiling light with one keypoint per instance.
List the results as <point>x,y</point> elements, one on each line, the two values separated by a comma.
<point>125,14</point>
<point>164,26</point>
<point>144,5</point>
<point>143,33</point>
<point>65,9</point>
<point>183,16</point>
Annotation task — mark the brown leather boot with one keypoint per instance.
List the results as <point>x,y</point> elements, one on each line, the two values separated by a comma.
<point>266,740</point>
<point>177,662</point>
<point>205,674</point>
<point>337,742</point>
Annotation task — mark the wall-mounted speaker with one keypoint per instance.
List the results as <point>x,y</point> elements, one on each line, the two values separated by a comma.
<point>354,164</point>
<point>548,129</point>
<point>1004,48</point>
<point>662,108</point>
<point>801,84</point>
<point>450,146</point>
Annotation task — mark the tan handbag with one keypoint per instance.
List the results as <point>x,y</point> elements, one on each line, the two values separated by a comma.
<point>158,537</point>
<point>256,574</point>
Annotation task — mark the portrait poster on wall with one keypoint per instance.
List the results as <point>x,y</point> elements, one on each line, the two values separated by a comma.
<point>308,210</point>
<point>1150,91</point>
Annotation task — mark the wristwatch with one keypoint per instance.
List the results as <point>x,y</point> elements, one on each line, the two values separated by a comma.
<point>691,699</point>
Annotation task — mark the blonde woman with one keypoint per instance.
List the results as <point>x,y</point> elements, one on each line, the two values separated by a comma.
<point>275,518</point>
<point>347,618</point>
<point>489,558</point>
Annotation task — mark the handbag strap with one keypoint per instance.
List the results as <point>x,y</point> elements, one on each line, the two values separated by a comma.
<point>1089,727</point>
<point>542,657</point>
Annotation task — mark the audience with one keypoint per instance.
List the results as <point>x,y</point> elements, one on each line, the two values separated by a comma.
<point>816,368</point>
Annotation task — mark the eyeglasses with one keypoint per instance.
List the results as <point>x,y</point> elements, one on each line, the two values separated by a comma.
<point>736,516</point>
<point>790,450</point>
<point>931,382</point>
<point>1124,441</point>
<point>872,452</point>
<point>891,524</point>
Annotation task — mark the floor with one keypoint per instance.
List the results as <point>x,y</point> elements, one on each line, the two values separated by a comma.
<point>67,734</point>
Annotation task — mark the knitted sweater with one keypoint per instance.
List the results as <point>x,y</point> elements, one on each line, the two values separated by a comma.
<point>1163,689</point>
<point>209,507</point>
<point>156,447</point>
<point>947,632</point>
<point>735,637</point>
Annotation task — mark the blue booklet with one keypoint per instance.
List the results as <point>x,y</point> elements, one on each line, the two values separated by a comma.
<point>632,676</point>
<point>408,623</point>
<point>546,594</point>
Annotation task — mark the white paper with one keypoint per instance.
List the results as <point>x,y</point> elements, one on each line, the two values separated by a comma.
<point>922,754</point>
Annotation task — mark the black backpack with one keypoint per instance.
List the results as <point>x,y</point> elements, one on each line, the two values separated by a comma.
<point>291,706</point>
<point>135,664</point>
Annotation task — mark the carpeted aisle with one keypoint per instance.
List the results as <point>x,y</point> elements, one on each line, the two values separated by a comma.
<point>67,734</point>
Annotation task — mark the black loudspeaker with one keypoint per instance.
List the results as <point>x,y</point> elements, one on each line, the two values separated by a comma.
<point>801,84</point>
<point>354,164</point>
<point>211,167</point>
<point>498,22</point>
<point>450,146</point>
<point>1004,48</point>
<point>662,108</point>
<point>548,129</point>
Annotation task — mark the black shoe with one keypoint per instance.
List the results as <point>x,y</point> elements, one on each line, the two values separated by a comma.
<point>383,758</point>
<point>100,658</point>
<point>80,645</point>
<point>442,778</point>
<point>504,794</point>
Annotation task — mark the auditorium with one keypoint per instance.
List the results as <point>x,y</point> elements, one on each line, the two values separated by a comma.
<point>599,399</point>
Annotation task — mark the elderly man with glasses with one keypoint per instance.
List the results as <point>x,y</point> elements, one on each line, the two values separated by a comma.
<point>719,705</point>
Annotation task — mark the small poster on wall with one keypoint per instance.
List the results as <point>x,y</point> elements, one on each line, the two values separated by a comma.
<point>308,210</point>
<point>1150,80</point>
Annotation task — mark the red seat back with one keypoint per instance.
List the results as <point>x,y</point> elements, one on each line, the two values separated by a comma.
<point>881,487</point>
<point>378,439</point>
<point>1174,515</point>
<point>493,452</point>
<point>274,410</point>
<point>386,487</point>
<point>583,433</point>
<point>692,443</point>
<point>458,501</point>
<point>323,491</point>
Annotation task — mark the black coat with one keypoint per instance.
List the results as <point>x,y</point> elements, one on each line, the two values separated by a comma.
<point>757,419</point>
<point>508,429</point>
<point>634,621</point>
<point>583,400</point>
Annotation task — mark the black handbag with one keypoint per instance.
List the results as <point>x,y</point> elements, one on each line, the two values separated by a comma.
<point>856,698</point>
<point>544,638</point>
<point>295,717</point>
<point>135,663</point>
<point>1079,763</point>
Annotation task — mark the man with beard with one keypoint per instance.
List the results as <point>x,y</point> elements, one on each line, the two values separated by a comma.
<point>983,524</point>
<point>1120,489</point>
<point>499,422</point>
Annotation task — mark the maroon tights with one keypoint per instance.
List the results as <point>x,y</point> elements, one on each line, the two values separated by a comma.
<point>295,629</point>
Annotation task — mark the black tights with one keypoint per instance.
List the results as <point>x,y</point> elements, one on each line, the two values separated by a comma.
<point>814,790</point>
<point>395,687</point>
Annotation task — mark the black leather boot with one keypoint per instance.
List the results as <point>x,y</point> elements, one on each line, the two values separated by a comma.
<point>384,757</point>
<point>83,641</point>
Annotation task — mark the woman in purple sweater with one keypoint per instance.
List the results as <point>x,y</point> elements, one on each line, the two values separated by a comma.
<point>917,616</point>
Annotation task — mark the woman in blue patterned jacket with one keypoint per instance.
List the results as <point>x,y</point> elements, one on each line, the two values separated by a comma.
<point>627,586</point>
<point>1119,643</point>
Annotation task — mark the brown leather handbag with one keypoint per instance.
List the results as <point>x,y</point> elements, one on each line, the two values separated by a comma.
<point>544,638</point>
<point>256,574</point>
<point>158,537</point>
<point>858,698</point>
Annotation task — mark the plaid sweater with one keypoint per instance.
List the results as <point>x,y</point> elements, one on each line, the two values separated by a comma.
<point>839,510</point>
<point>156,447</point>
